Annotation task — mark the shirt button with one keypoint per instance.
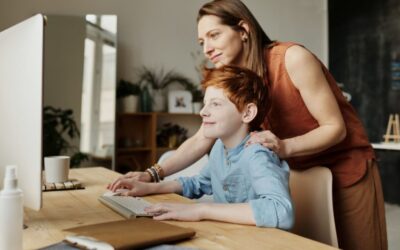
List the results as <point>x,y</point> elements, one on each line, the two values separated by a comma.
<point>225,187</point>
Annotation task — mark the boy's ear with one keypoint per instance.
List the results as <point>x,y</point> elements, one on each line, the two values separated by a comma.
<point>249,113</point>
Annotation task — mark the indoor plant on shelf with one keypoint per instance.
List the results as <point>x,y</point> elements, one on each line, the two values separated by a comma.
<point>197,97</point>
<point>158,81</point>
<point>128,96</point>
<point>171,135</point>
<point>59,128</point>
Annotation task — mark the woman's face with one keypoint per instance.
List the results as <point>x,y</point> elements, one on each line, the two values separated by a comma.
<point>221,44</point>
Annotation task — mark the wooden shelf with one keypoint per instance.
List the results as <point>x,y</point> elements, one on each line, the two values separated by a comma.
<point>133,149</point>
<point>165,148</point>
<point>141,129</point>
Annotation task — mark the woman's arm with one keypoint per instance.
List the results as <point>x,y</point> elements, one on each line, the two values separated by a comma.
<point>188,153</point>
<point>306,74</point>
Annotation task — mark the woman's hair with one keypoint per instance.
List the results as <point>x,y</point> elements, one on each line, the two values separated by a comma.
<point>231,12</point>
<point>242,86</point>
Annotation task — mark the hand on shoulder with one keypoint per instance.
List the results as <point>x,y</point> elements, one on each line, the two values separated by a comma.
<point>269,140</point>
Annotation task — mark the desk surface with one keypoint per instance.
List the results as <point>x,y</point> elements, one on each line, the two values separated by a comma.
<point>386,146</point>
<point>65,209</point>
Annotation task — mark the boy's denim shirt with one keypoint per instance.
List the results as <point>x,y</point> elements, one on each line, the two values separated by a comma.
<point>252,174</point>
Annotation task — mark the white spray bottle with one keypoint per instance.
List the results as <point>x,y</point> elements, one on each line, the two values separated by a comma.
<point>11,212</point>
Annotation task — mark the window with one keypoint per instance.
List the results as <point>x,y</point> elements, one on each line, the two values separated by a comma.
<point>99,79</point>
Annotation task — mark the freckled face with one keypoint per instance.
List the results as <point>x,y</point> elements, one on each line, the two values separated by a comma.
<point>221,44</point>
<point>221,119</point>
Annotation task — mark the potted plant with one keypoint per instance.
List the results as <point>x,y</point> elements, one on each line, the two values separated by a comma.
<point>128,96</point>
<point>171,135</point>
<point>59,128</point>
<point>158,81</point>
<point>197,100</point>
<point>197,97</point>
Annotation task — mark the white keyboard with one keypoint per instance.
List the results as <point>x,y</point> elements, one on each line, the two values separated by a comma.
<point>127,206</point>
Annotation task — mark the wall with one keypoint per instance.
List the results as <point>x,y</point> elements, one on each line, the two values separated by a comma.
<point>363,40</point>
<point>64,43</point>
<point>162,33</point>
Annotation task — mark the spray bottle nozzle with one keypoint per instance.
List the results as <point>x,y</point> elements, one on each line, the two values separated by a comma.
<point>10,179</point>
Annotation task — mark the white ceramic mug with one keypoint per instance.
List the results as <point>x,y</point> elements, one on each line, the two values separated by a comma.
<point>56,168</point>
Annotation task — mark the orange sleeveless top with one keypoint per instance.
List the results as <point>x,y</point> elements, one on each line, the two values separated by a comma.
<point>289,117</point>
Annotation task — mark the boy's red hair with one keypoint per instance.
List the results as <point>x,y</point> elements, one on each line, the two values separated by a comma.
<point>241,86</point>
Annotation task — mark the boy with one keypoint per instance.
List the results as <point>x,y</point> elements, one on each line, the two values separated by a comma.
<point>249,184</point>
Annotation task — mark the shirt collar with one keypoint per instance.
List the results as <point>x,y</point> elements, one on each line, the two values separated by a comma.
<point>238,148</point>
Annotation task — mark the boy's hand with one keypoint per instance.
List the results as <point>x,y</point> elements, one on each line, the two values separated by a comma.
<point>176,211</point>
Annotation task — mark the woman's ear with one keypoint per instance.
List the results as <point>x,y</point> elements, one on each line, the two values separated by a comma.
<point>249,113</point>
<point>245,30</point>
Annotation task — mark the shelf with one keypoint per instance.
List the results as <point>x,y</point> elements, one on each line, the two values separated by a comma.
<point>156,113</point>
<point>133,114</point>
<point>386,146</point>
<point>165,148</point>
<point>176,114</point>
<point>142,127</point>
<point>133,149</point>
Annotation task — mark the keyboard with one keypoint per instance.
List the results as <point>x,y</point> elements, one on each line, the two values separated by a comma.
<point>127,206</point>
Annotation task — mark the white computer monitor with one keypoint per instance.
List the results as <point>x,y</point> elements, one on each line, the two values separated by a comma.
<point>21,105</point>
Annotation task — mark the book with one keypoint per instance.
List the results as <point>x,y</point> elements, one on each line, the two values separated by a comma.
<point>134,233</point>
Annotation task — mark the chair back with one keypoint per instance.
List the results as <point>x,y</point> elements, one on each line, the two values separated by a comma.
<point>311,192</point>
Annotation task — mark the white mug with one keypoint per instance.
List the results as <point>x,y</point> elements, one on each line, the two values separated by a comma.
<point>56,168</point>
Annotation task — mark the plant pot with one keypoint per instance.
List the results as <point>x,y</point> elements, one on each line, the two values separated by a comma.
<point>197,107</point>
<point>128,104</point>
<point>159,103</point>
<point>172,141</point>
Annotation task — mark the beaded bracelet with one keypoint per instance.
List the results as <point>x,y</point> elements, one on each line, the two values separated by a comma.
<point>159,171</point>
<point>157,177</point>
<point>153,178</point>
<point>156,173</point>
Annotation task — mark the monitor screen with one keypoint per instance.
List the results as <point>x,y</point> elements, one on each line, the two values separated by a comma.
<point>21,104</point>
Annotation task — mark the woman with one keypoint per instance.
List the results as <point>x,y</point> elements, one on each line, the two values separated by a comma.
<point>309,122</point>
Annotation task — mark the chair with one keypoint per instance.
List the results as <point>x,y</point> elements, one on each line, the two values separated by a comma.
<point>311,192</point>
<point>189,171</point>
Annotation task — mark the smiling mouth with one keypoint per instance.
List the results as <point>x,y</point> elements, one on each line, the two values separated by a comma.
<point>208,123</point>
<point>215,58</point>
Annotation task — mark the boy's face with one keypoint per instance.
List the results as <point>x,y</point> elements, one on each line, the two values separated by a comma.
<point>221,119</point>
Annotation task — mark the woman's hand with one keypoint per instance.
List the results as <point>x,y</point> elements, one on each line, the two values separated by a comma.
<point>267,139</point>
<point>176,211</point>
<point>138,176</point>
<point>135,187</point>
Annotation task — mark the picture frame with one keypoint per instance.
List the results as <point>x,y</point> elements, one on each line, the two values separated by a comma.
<point>179,101</point>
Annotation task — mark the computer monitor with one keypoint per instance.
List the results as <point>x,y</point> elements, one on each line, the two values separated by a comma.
<point>21,105</point>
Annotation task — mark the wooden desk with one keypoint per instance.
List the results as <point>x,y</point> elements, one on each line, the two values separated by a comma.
<point>386,146</point>
<point>65,209</point>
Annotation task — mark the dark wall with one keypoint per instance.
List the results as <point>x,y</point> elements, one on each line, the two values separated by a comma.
<point>364,44</point>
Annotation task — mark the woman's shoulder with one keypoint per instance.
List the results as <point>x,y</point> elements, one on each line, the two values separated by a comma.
<point>278,47</point>
<point>297,55</point>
